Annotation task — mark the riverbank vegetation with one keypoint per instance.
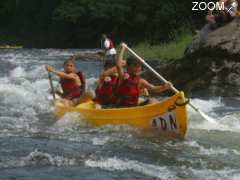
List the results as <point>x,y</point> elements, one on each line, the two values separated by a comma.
<point>173,49</point>
<point>80,23</point>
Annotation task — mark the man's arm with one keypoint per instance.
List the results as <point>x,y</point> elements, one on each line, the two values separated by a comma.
<point>153,88</point>
<point>119,62</point>
<point>61,74</point>
<point>108,72</point>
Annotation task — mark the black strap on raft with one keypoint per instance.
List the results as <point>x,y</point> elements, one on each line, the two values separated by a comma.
<point>171,108</point>
<point>182,104</point>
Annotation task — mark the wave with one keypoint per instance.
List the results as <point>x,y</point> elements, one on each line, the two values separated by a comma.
<point>38,158</point>
<point>116,164</point>
<point>162,172</point>
<point>211,150</point>
<point>225,121</point>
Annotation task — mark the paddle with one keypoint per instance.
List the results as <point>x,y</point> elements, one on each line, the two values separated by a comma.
<point>172,87</point>
<point>51,85</point>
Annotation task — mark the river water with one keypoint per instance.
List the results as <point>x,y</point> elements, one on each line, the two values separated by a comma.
<point>33,145</point>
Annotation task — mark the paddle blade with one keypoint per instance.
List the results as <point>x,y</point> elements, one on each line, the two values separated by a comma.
<point>209,119</point>
<point>51,85</point>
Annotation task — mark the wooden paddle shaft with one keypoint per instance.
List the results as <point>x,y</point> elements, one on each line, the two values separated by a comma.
<point>51,85</point>
<point>172,87</point>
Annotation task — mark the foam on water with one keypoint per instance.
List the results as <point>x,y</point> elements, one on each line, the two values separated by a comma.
<point>123,129</point>
<point>24,97</point>
<point>207,105</point>
<point>38,158</point>
<point>58,52</point>
<point>37,73</point>
<point>211,150</point>
<point>18,72</point>
<point>100,141</point>
<point>73,128</point>
<point>162,172</point>
<point>91,82</point>
<point>231,120</point>
<point>116,164</point>
<point>226,173</point>
<point>68,122</point>
<point>228,122</point>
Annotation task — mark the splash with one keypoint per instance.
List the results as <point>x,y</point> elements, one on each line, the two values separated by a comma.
<point>115,164</point>
<point>211,150</point>
<point>211,174</point>
<point>38,158</point>
<point>210,120</point>
<point>100,141</point>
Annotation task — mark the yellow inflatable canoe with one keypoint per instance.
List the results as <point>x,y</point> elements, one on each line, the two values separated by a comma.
<point>168,116</point>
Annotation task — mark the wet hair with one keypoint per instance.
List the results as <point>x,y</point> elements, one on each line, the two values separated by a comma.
<point>109,64</point>
<point>132,61</point>
<point>70,60</point>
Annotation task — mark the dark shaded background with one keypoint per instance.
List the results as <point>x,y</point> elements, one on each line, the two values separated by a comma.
<point>80,23</point>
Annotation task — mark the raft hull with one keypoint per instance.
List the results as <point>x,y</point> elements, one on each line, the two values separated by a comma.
<point>168,116</point>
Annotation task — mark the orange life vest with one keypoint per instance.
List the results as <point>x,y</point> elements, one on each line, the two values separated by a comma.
<point>128,92</point>
<point>70,89</point>
<point>83,81</point>
<point>105,94</point>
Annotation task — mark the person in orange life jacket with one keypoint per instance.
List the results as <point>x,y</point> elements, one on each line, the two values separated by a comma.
<point>105,91</point>
<point>70,82</point>
<point>108,46</point>
<point>130,83</point>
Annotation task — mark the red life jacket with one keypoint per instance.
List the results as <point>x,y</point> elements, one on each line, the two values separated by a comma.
<point>128,92</point>
<point>70,89</point>
<point>105,94</point>
<point>83,81</point>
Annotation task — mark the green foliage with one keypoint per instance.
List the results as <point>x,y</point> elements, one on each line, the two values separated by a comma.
<point>79,23</point>
<point>70,11</point>
<point>171,50</point>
